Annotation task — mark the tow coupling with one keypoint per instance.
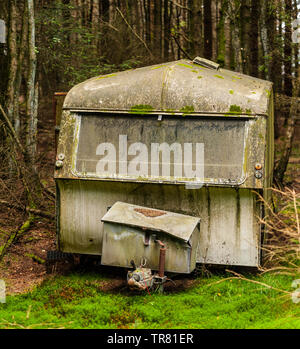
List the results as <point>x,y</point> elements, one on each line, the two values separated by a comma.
<point>141,278</point>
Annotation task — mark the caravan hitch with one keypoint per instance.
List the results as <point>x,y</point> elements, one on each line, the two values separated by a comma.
<point>142,278</point>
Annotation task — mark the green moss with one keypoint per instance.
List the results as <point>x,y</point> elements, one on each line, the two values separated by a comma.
<point>106,76</point>
<point>170,111</point>
<point>260,135</point>
<point>235,109</point>
<point>185,65</point>
<point>231,92</point>
<point>141,109</point>
<point>268,93</point>
<point>248,111</point>
<point>188,109</point>
<point>161,66</point>
<point>35,258</point>
<point>200,77</point>
<point>90,301</point>
<point>219,76</point>
<point>236,77</point>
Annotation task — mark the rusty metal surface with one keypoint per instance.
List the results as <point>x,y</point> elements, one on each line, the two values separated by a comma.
<point>179,87</point>
<point>178,225</point>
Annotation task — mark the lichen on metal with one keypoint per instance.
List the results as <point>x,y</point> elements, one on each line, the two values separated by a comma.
<point>173,85</point>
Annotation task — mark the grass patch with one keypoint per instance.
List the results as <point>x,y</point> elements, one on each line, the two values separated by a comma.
<point>78,301</point>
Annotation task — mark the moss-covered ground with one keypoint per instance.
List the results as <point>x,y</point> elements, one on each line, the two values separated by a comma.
<point>81,300</point>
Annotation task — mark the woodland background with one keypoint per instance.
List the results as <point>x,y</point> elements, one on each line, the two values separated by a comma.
<point>53,45</point>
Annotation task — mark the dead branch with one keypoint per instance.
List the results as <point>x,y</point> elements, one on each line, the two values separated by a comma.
<point>28,209</point>
<point>220,281</point>
<point>180,6</point>
<point>130,27</point>
<point>35,258</point>
<point>180,48</point>
<point>13,237</point>
<point>12,130</point>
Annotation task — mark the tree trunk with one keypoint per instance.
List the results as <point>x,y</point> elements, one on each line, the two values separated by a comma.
<point>288,87</point>
<point>246,35</point>
<point>157,28</point>
<point>227,38</point>
<point>207,30</point>
<point>22,50</point>
<point>290,133</point>
<point>253,44</point>
<point>214,40</point>
<point>167,25</point>
<point>31,102</point>
<point>13,60</point>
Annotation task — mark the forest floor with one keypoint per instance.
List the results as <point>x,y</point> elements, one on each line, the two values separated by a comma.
<point>72,296</point>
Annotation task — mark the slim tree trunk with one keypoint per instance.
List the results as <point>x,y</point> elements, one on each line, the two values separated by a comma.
<point>31,102</point>
<point>214,41</point>
<point>227,37</point>
<point>288,49</point>
<point>253,37</point>
<point>246,35</point>
<point>207,30</point>
<point>13,60</point>
<point>290,133</point>
<point>296,45</point>
<point>22,50</point>
<point>264,37</point>
<point>158,27</point>
<point>167,27</point>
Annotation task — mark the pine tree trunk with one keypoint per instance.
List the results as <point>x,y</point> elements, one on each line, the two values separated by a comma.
<point>290,133</point>
<point>167,25</point>
<point>246,35</point>
<point>21,64</point>
<point>227,37</point>
<point>288,49</point>
<point>13,60</point>
<point>207,30</point>
<point>31,101</point>
<point>253,37</point>
<point>157,28</point>
<point>214,41</point>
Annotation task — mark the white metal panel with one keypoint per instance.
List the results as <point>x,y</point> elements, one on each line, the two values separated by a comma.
<point>229,232</point>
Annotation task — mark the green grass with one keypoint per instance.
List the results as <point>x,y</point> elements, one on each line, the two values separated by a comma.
<point>76,301</point>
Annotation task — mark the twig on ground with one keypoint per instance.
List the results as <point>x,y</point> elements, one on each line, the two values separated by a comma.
<point>241,277</point>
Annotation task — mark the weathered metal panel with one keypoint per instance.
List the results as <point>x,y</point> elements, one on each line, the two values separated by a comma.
<point>229,233</point>
<point>179,87</point>
<point>123,243</point>
<point>178,225</point>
